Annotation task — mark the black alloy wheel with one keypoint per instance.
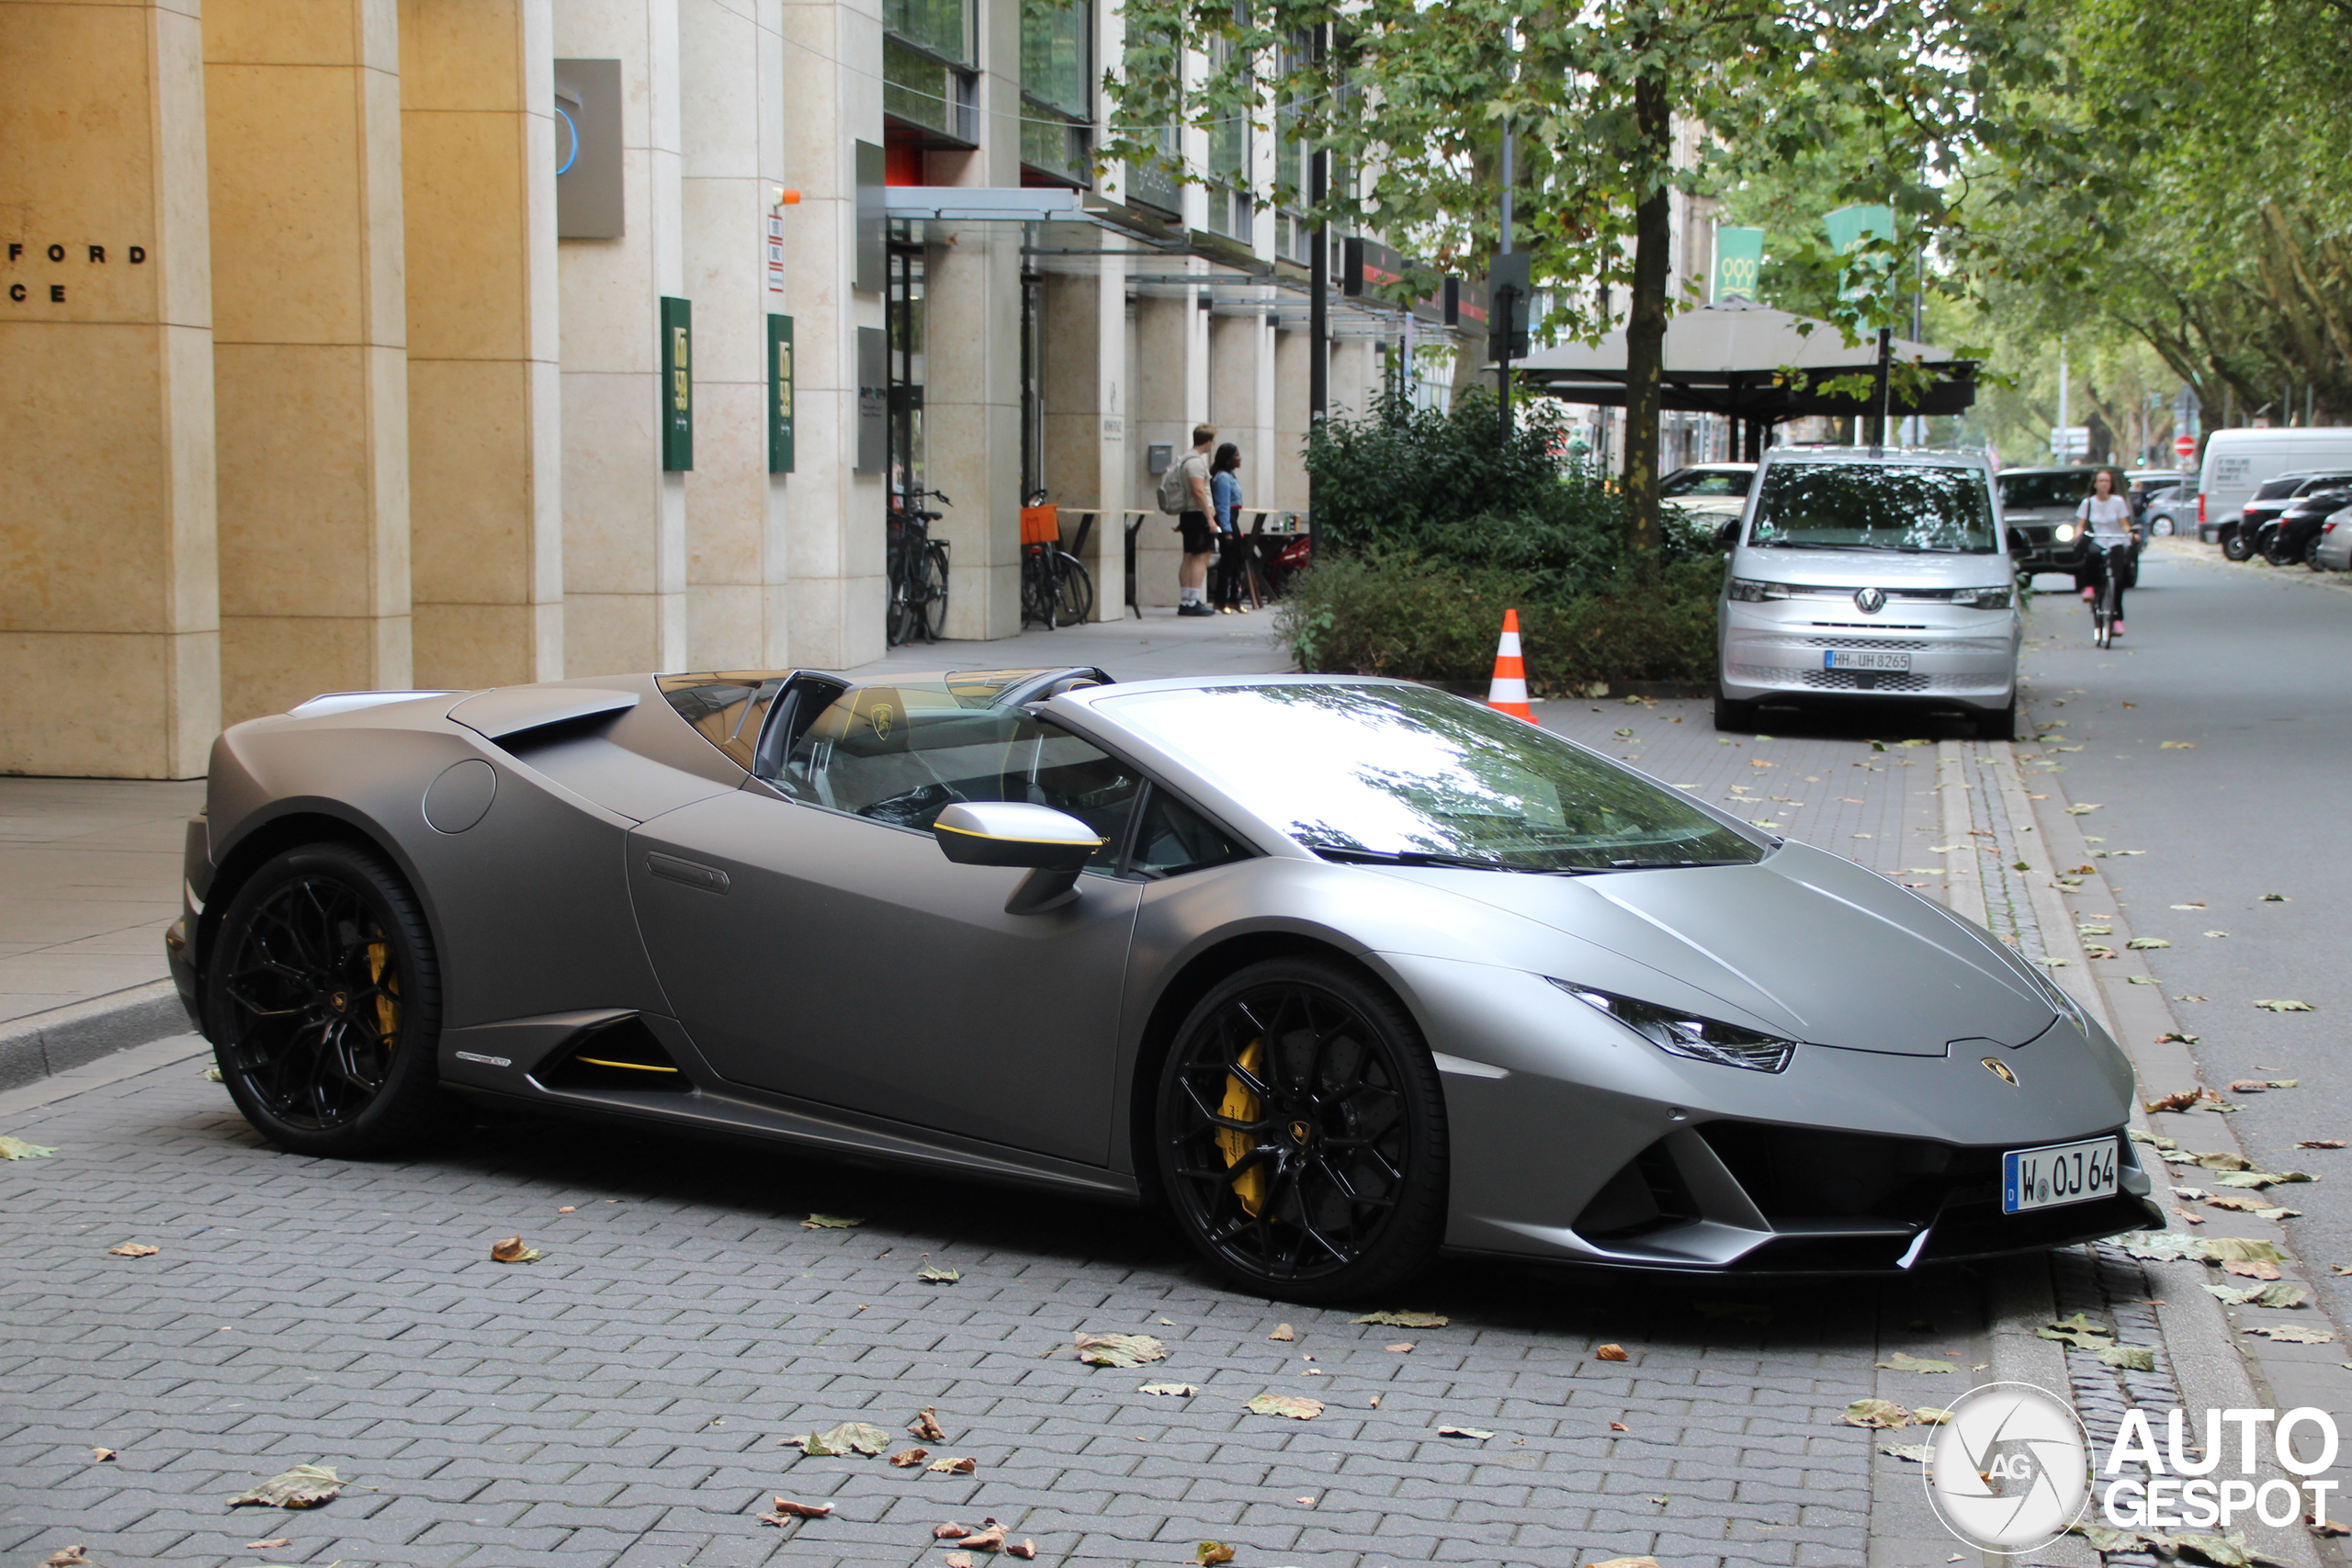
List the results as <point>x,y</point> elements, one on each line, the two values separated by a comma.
<point>1302,1133</point>
<point>2235,546</point>
<point>323,1002</point>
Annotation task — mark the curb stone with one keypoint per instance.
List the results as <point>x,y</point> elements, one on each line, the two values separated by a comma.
<point>46,1043</point>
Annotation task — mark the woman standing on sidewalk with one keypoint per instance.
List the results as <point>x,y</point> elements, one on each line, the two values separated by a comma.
<point>2107,522</point>
<point>1225,493</point>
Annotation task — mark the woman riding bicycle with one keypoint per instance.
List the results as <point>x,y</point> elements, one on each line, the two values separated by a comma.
<point>2106,518</point>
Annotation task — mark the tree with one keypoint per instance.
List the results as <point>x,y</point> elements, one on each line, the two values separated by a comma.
<point>1412,97</point>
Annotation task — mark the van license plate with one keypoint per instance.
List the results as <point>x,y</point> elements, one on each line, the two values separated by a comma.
<point>1863,659</point>
<point>2060,1173</point>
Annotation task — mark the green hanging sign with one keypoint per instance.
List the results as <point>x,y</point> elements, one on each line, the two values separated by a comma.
<point>1849,229</point>
<point>677,386</point>
<point>779,394</point>
<point>1739,257</point>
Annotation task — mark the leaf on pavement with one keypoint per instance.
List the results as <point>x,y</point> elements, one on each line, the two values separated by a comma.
<point>950,1531</point>
<point>2175,1037</point>
<point>2077,1332</point>
<point>2154,1140</point>
<point>133,1249</point>
<point>1611,1353</point>
<point>931,1274</point>
<point>16,1148</point>
<point>2224,1159</point>
<point>304,1486</point>
<point>2217,933</point>
<point>849,1437</point>
<point>2238,1248</point>
<point>2146,943</point>
<point>909,1459</point>
<point>2245,1203</point>
<point>787,1510</point>
<point>2294,1333</point>
<point>212,1075</point>
<point>1119,1349</point>
<point>512,1250</point>
<point>2128,1358</point>
<point>1283,1331</point>
<point>2254,1178</point>
<point>68,1557</point>
<point>1876,1414</point>
<point>2175,745</point>
<point>2321,1143</point>
<point>831,1223</point>
<point>1917,1453</point>
<point>2274,1004</point>
<point>270,1545</point>
<point>1931,1415</point>
<point>1404,1319</point>
<point>1180,1390</point>
<point>1475,1434</point>
<point>959,1560</point>
<point>2143,980</point>
<point>989,1536</point>
<point>925,1425</point>
<point>1210,1552</point>
<point>1024,1549</point>
<point>1403,1347</point>
<point>1623,734</point>
<point>2083,810</point>
<point>1904,1361</point>
<point>100,1456</point>
<point>2178,1099</point>
<point>1285,1404</point>
<point>953,1464</point>
<point>2276,898</point>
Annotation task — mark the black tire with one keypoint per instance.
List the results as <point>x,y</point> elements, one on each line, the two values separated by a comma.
<point>2273,544</point>
<point>1077,605</point>
<point>1734,718</point>
<point>1301,1073</point>
<point>935,603</point>
<point>323,1001</point>
<point>2000,725</point>
<point>2310,555</point>
<point>2235,546</point>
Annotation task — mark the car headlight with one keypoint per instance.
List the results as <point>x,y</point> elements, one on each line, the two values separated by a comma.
<point>1982,598</point>
<point>2063,534</point>
<point>1748,591</point>
<point>1701,1038</point>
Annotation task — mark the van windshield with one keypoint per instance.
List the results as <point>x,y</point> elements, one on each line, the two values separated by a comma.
<point>1856,506</point>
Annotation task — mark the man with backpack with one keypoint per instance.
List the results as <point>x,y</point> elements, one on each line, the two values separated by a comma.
<point>1184,495</point>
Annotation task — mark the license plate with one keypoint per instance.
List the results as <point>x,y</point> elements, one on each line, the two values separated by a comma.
<point>1863,659</point>
<point>2060,1173</point>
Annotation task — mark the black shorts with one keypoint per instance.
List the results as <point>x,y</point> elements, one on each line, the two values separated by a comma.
<point>1195,526</point>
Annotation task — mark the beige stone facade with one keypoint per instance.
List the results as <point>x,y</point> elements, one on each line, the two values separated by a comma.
<point>326,375</point>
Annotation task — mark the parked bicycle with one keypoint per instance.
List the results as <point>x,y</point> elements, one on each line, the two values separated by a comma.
<point>1055,588</point>
<point>916,567</point>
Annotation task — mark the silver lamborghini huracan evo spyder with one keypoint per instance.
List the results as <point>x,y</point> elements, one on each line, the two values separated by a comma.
<point>1341,971</point>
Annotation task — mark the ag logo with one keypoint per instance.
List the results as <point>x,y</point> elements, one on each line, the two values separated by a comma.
<point>2010,1471</point>
<point>880,716</point>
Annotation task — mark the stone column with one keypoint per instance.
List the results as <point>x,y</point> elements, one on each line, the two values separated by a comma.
<point>309,350</point>
<point>1284,479</point>
<point>730,69</point>
<point>485,414</point>
<point>1084,383</point>
<point>109,642</point>
<point>1170,397</point>
<point>623,517</point>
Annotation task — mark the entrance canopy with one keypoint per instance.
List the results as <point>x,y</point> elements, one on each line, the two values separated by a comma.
<point>1726,359</point>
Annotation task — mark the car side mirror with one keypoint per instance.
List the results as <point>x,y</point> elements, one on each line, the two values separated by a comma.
<point>1728,535</point>
<point>1053,845</point>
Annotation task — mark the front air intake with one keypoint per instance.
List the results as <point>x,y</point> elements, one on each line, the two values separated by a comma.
<point>621,1055</point>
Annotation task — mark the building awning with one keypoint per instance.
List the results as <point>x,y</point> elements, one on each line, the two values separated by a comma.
<point>981,204</point>
<point>1728,359</point>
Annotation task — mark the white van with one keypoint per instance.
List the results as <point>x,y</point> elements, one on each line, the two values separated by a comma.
<point>2237,462</point>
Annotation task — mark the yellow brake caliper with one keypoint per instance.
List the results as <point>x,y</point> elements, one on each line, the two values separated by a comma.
<point>1240,1105</point>
<point>388,1011</point>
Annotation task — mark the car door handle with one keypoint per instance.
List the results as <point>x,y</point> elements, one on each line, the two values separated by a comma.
<point>709,879</point>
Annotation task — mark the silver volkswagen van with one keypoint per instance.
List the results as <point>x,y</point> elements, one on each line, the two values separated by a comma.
<point>1882,579</point>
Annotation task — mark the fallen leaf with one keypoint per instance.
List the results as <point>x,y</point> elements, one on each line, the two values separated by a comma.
<point>950,1531</point>
<point>1475,1434</point>
<point>2146,943</point>
<point>2332,1528</point>
<point>1119,1349</point>
<point>69,1557</point>
<point>304,1486</point>
<point>830,1223</point>
<point>2077,1332</point>
<point>212,1075</point>
<point>1210,1552</point>
<point>2271,1004</point>
<point>947,1464</point>
<point>1904,1361</point>
<point>1917,1453</point>
<point>1181,1390</point>
<point>2245,1249</point>
<point>931,1274</point>
<point>1024,1549</point>
<point>2178,1099</point>
<point>16,1148</point>
<point>785,1508</point>
<point>959,1560</point>
<point>270,1545</point>
<point>1931,1415</point>
<point>2175,745</point>
<point>2321,1143</point>
<point>1619,1426</point>
<point>1291,1405</point>
<point>2245,1270</point>
<point>1624,734</point>
<point>2084,809</point>
<point>133,1249</point>
<point>2217,934</point>
<point>838,1442</point>
<point>2143,980</point>
<point>2294,1333</point>
<point>2128,1358</point>
<point>2224,1159</point>
<point>1404,1348</point>
<point>1876,1414</point>
<point>2243,1202</point>
<point>909,1459</point>
<point>1611,1353</point>
<point>2186,1217</point>
<point>1375,1402</point>
<point>1404,1319</point>
<point>2157,1140</point>
<point>989,1536</point>
<point>2175,1037</point>
<point>568,1209</point>
<point>925,1425</point>
<point>2276,898</point>
<point>1283,1331</point>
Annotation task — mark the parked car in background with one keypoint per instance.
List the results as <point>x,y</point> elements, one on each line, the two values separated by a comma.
<point>2332,549</point>
<point>2172,510</point>
<point>2041,504</point>
<point>2293,535</point>
<point>2269,500</point>
<point>2142,486</point>
<point>2239,462</point>
<point>1708,494</point>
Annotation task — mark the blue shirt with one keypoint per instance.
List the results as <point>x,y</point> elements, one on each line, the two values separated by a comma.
<point>1224,494</point>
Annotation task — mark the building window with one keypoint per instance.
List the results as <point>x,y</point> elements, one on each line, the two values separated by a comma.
<point>1292,238</point>
<point>927,84</point>
<point>1231,208</point>
<point>1057,90</point>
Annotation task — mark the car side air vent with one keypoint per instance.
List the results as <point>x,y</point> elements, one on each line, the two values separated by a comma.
<point>621,1055</point>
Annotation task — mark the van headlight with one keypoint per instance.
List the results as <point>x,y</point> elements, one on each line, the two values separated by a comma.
<point>2063,534</point>
<point>1748,591</point>
<point>1984,598</point>
<point>1701,1038</point>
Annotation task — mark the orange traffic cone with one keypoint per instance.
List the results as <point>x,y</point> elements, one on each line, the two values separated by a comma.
<point>1509,691</point>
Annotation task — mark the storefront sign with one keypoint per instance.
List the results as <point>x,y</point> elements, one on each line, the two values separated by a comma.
<point>1367,266</point>
<point>873,400</point>
<point>677,386</point>
<point>779,394</point>
<point>1739,258</point>
<point>1465,304</point>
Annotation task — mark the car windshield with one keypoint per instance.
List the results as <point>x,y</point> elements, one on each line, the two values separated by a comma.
<point>1407,775</point>
<point>1870,506</point>
<point>1692,483</point>
<point>2039,492</point>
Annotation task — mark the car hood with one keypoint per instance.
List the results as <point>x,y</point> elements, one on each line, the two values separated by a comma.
<point>1883,568</point>
<point>1803,943</point>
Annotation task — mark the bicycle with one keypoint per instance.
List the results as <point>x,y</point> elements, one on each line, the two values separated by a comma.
<point>2104,604</point>
<point>1055,588</point>
<point>916,568</point>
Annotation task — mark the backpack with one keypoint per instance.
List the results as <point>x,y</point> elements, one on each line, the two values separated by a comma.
<point>1175,495</point>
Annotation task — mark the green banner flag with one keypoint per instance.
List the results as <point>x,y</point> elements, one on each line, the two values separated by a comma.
<point>1739,257</point>
<point>1849,228</point>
